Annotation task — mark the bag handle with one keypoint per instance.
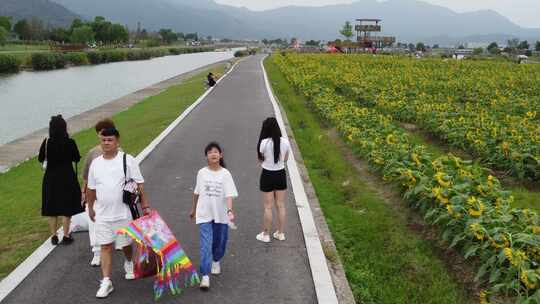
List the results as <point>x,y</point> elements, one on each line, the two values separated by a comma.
<point>46,145</point>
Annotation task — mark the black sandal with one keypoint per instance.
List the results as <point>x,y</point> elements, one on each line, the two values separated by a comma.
<point>66,240</point>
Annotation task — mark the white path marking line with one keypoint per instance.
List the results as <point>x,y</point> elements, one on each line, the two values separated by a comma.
<point>9,283</point>
<point>322,280</point>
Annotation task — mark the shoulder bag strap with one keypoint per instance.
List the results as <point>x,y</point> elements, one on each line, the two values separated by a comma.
<point>46,145</point>
<point>125,169</point>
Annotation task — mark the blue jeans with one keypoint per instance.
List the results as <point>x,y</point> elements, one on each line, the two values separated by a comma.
<point>213,238</point>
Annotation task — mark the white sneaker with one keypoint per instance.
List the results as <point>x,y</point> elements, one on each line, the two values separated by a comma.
<point>128,267</point>
<point>216,268</point>
<point>265,238</point>
<point>96,260</point>
<point>205,283</point>
<point>105,288</point>
<point>279,236</point>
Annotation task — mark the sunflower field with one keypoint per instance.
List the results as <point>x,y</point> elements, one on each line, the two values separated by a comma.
<point>489,108</point>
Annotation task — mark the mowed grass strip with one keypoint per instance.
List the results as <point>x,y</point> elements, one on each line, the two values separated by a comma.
<point>22,228</point>
<point>385,262</point>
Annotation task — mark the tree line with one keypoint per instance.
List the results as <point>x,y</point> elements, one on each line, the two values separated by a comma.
<point>79,32</point>
<point>99,30</point>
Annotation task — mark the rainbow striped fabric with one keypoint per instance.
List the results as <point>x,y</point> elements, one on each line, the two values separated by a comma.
<point>150,231</point>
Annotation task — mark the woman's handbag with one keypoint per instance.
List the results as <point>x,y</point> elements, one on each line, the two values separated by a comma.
<point>44,164</point>
<point>130,194</point>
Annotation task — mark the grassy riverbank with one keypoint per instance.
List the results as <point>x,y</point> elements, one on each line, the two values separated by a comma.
<point>385,260</point>
<point>22,229</point>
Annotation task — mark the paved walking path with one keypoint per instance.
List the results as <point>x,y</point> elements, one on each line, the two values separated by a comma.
<point>253,272</point>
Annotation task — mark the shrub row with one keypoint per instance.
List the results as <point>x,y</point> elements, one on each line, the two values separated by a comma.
<point>50,61</point>
<point>9,64</point>
<point>243,53</point>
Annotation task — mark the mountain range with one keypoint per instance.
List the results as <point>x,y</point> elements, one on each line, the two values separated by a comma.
<point>408,20</point>
<point>52,14</point>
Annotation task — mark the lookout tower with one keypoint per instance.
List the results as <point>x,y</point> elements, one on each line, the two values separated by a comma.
<point>366,37</point>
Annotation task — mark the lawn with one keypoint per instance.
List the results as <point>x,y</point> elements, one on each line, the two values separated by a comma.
<point>23,47</point>
<point>22,229</point>
<point>385,261</point>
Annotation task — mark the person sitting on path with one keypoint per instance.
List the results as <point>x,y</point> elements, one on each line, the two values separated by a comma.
<point>106,208</point>
<point>211,80</point>
<point>93,154</point>
<point>272,152</point>
<point>61,192</point>
<point>213,210</point>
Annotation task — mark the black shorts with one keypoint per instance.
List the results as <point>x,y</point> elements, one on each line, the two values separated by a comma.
<point>273,180</point>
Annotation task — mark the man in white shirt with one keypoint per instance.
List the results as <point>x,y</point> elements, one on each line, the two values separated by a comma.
<point>106,180</point>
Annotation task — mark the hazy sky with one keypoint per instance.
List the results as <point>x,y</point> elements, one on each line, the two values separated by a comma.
<point>523,12</point>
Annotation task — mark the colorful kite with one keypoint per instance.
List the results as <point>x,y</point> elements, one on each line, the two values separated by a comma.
<point>152,232</point>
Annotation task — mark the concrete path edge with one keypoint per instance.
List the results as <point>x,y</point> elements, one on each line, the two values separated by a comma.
<point>17,276</point>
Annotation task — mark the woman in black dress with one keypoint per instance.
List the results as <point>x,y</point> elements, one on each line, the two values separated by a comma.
<point>61,192</point>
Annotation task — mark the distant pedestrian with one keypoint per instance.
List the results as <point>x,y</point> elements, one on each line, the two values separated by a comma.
<point>61,192</point>
<point>211,79</point>
<point>272,152</point>
<point>213,211</point>
<point>106,180</point>
<point>94,153</point>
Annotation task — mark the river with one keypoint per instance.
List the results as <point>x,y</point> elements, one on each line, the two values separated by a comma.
<point>29,99</point>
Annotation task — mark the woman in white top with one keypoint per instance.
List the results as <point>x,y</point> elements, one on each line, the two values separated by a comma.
<point>272,152</point>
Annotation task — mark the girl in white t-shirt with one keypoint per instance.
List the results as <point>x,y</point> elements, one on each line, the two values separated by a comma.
<point>272,152</point>
<point>213,211</point>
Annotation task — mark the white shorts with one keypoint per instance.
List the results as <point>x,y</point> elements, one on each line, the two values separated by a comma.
<point>105,233</point>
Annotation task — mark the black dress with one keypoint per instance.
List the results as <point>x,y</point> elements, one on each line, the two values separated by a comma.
<point>61,192</point>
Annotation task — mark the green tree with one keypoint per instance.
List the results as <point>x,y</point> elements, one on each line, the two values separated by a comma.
<point>512,43</point>
<point>478,51</point>
<point>420,47</point>
<point>143,35</point>
<point>168,36</point>
<point>192,36</point>
<point>102,29</point>
<point>523,45</point>
<point>436,46</point>
<point>537,46</point>
<point>347,31</point>
<point>82,34</point>
<point>118,33</point>
<point>75,24</point>
<point>37,29</point>
<point>59,35</point>
<point>3,35</point>
<point>23,30</point>
<point>313,42</point>
<point>493,48</point>
<point>5,22</point>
